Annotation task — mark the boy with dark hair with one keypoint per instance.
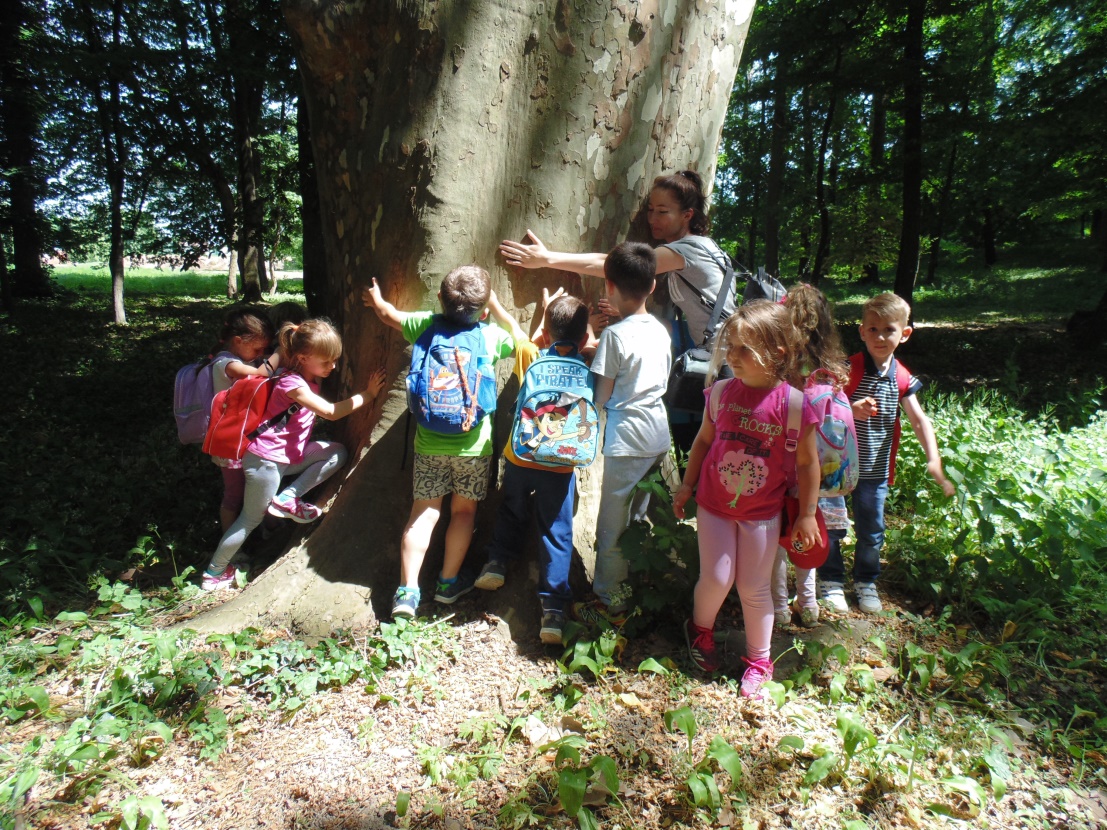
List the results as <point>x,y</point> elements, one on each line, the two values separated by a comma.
<point>564,325</point>
<point>878,387</point>
<point>455,461</point>
<point>631,370</point>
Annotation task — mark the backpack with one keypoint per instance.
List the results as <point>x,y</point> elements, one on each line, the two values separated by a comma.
<point>836,441</point>
<point>556,423</point>
<point>451,384</point>
<point>238,416</point>
<point>763,286</point>
<point>193,391</point>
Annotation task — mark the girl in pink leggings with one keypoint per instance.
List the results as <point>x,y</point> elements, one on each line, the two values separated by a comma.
<point>755,428</point>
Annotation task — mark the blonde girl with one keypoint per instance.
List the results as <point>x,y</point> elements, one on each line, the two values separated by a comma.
<point>738,470</point>
<point>822,367</point>
<point>310,351</point>
<point>244,340</point>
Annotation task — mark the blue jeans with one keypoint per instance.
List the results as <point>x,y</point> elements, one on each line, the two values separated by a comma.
<point>867,501</point>
<point>554,495</point>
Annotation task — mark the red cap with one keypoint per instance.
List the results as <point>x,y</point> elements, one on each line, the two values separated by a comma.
<point>802,557</point>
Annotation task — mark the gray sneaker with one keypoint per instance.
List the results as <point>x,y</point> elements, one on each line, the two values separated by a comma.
<point>833,596</point>
<point>867,598</point>
<point>491,576</point>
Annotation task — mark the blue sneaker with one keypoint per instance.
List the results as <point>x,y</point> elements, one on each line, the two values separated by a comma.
<point>552,624</point>
<point>491,576</point>
<point>448,590</point>
<point>405,603</point>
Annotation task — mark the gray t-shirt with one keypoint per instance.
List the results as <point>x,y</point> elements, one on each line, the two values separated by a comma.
<point>635,352</point>
<point>704,267</point>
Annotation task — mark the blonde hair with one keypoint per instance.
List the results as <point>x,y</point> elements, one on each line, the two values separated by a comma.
<point>888,306</point>
<point>767,329</point>
<point>312,338</point>
<point>821,346</point>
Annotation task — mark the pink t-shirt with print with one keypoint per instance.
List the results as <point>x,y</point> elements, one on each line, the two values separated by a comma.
<point>743,474</point>
<point>285,445</point>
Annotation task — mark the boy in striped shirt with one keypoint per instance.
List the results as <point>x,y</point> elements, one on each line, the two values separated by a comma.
<point>878,387</point>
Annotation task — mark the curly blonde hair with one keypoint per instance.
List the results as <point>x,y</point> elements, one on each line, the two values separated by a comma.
<point>767,329</point>
<point>821,349</point>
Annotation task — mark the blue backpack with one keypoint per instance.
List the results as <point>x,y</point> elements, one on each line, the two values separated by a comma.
<point>451,384</point>
<point>556,424</point>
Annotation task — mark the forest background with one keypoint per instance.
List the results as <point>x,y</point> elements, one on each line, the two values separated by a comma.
<point>952,152</point>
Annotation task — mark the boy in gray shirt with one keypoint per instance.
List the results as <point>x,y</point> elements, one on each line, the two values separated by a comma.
<point>631,369</point>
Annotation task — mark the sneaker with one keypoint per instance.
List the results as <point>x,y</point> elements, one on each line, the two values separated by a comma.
<point>552,623</point>
<point>808,616</point>
<point>833,596</point>
<point>223,580</point>
<point>448,591</point>
<point>867,598</point>
<point>783,616</point>
<point>405,603</point>
<point>594,612</point>
<point>756,675</point>
<point>701,647</point>
<point>491,576</point>
<point>290,507</point>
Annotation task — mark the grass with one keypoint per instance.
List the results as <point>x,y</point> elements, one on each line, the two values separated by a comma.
<point>147,281</point>
<point>998,633</point>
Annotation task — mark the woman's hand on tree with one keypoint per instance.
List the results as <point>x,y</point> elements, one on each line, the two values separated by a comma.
<point>523,255</point>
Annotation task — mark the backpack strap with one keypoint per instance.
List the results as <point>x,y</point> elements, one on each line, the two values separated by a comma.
<point>856,372</point>
<point>795,415</point>
<point>717,389</point>
<point>278,420</point>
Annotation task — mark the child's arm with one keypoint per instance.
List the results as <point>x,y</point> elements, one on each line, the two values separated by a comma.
<point>700,446</point>
<point>389,314</point>
<point>333,411</point>
<point>506,321</point>
<point>924,431</point>
<point>237,369</point>
<point>806,529</point>
<point>601,390</point>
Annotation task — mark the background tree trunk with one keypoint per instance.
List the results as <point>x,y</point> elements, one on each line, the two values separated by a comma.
<point>314,257</point>
<point>907,266</point>
<point>440,128</point>
<point>19,116</point>
<point>778,161</point>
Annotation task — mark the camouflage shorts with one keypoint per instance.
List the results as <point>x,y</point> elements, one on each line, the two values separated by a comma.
<point>438,475</point>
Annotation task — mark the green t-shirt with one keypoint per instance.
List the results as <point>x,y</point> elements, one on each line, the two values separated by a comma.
<point>475,442</point>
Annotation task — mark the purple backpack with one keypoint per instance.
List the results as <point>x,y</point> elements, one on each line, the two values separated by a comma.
<point>193,391</point>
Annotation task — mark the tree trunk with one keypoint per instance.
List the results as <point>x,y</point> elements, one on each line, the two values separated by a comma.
<point>907,266</point>
<point>440,128</point>
<point>991,256</point>
<point>822,201</point>
<point>877,135</point>
<point>19,115</point>
<point>7,292</point>
<point>247,46</point>
<point>940,218</point>
<point>313,255</point>
<point>778,161</point>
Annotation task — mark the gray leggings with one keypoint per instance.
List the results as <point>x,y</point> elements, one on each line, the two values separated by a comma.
<point>322,459</point>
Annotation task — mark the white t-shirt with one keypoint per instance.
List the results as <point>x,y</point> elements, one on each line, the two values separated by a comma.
<point>635,352</point>
<point>219,378</point>
<point>704,264</point>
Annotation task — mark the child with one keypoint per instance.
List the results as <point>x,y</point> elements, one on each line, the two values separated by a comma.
<point>310,351</point>
<point>878,386</point>
<point>245,338</point>
<point>740,462</point>
<point>564,324</point>
<point>631,370</point>
<point>455,463</point>
<point>821,369</point>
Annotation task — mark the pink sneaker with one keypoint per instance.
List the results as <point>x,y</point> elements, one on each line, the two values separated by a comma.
<point>701,647</point>
<point>758,673</point>
<point>290,507</point>
<point>223,580</point>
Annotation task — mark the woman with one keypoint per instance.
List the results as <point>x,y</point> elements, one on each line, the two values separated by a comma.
<point>694,262</point>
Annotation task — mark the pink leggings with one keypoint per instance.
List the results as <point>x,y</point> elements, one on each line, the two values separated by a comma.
<point>740,554</point>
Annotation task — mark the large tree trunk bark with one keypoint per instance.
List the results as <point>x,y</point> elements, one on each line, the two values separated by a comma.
<point>907,266</point>
<point>822,198</point>
<point>19,148</point>
<point>440,128</point>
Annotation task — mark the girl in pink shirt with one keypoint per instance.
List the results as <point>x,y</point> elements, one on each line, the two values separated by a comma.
<point>310,350</point>
<point>738,470</point>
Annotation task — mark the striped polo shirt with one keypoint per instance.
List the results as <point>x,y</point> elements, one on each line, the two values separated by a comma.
<point>875,435</point>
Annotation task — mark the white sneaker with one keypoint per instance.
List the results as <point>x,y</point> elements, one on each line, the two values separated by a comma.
<point>783,616</point>
<point>833,596</point>
<point>867,598</point>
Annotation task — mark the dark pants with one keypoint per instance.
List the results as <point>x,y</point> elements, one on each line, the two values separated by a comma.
<point>554,495</point>
<point>867,504</point>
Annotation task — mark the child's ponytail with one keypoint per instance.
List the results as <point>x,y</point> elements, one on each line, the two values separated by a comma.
<point>311,337</point>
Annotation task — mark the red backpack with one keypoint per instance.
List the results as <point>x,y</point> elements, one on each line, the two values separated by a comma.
<point>238,416</point>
